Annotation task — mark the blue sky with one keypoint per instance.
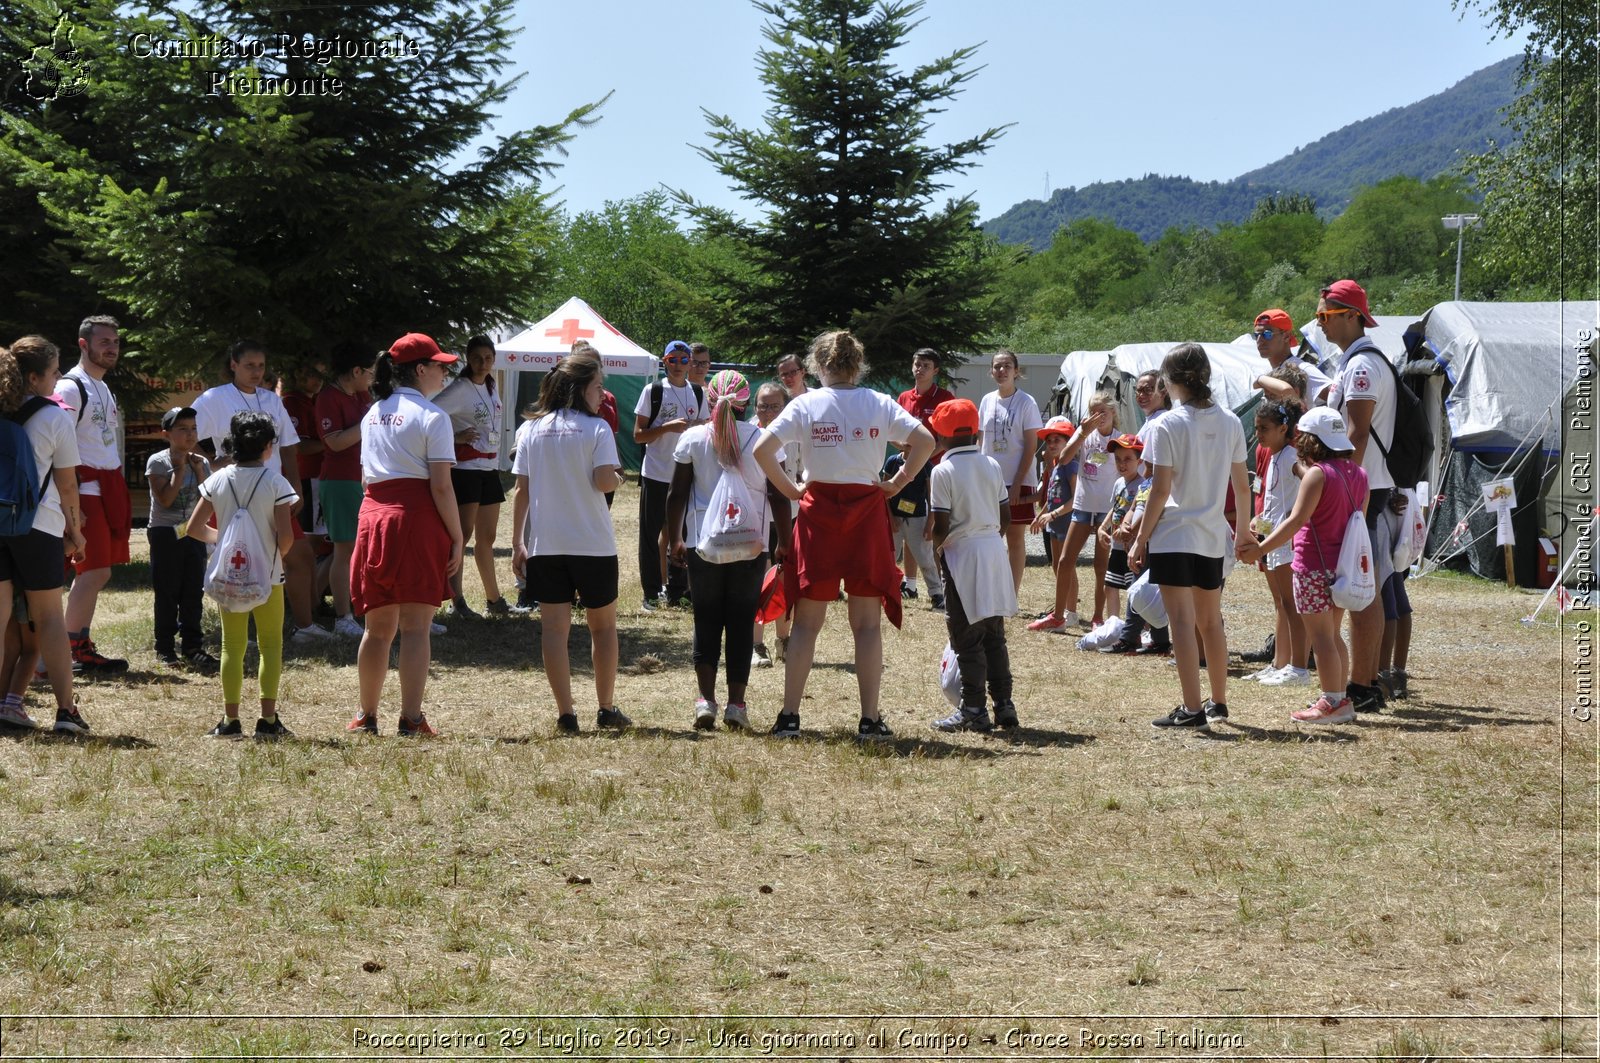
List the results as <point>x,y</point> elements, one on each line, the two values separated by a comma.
<point>1097,91</point>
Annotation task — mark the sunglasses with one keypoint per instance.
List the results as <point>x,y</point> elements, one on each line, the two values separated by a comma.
<point>1324,315</point>
<point>1265,334</point>
<point>677,359</point>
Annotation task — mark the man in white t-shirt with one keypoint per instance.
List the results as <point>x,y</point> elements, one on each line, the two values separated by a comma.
<point>1274,335</point>
<point>102,488</point>
<point>1364,392</point>
<point>665,410</point>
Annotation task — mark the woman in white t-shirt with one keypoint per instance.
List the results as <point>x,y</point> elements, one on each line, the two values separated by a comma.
<point>408,535</point>
<point>565,547</point>
<point>33,562</point>
<point>1009,423</point>
<point>476,413</point>
<point>841,534</point>
<point>725,593</point>
<point>1194,451</point>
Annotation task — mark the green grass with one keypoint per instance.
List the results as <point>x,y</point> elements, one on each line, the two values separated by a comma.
<point>1409,865</point>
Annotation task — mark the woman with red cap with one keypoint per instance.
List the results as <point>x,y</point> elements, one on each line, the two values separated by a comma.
<point>841,533</point>
<point>409,522</point>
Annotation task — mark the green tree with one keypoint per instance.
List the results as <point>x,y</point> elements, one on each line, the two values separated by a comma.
<point>300,198</point>
<point>1541,193</point>
<point>846,234</point>
<point>1393,229</point>
<point>627,260</point>
<point>1084,259</point>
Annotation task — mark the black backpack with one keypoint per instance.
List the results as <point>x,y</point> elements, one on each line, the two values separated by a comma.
<point>1410,449</point>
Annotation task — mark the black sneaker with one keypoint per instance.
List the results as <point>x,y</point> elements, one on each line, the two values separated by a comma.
<point>1264,654</point>
<point>908,590</point>
<point>787,725</point>
<point>267,729</point>
<point>418,728</point>
<point>226,729</point>
<point>1182,718</point>
<point>1005,716</point>
<point>936,601</point>
<point>1124,647</point>
<point>873,730</point>
<point>362,724</point>
<point>169,658</point>
<point>567,723</point>
<point>1363,698</point>
<point>501,607</point>
<point>203,662</point>
<point>71,721</point>
<point>1215,710</point>
<point>964,719</point>
<point>613,719</point>
<point>649,605</point>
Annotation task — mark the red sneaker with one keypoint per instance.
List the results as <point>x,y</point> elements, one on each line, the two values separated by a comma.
<point>418,728</point>
<point>363,722</point>
<point>86,657</point>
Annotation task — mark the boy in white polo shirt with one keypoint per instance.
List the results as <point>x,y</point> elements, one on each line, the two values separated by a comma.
<point>968,501</point>
<point>665,410</point>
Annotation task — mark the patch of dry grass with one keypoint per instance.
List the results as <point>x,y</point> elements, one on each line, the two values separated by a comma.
<point>1433,861</point>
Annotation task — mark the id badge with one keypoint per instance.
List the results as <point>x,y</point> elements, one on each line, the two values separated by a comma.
<point>908,508</point>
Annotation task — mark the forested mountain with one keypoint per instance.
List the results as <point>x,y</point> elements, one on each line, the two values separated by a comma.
<point>1420,140</point>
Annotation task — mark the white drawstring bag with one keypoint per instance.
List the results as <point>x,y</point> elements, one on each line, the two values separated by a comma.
<point>950,677</point>
<point>732,529</point>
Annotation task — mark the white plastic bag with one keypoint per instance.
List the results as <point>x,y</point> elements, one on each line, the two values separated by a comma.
<point>732,528</point>
<point>1411,541</point>
<point>1355,583</point>
<point>1144,598</point>
<point>950,677</point>
<point>1103,637</point>
<point>239,574</point>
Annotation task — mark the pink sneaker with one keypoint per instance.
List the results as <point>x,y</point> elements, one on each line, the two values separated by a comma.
<point>1050,622</point>
<point>1320,711</point>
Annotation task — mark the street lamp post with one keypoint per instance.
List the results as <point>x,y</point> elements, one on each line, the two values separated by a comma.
<point>1460,223</point>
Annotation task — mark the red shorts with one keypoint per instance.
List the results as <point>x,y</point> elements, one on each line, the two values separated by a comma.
<point>828,590</point>
<point>1022,513</point>
<point>100,550</point>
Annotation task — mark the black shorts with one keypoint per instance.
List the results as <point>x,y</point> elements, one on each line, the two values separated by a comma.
<point>558,578</point>
<point>34,562</point>
<point>1118,574</point>
<point>477,487</point>
<point>1186,570</point>
<point>1377,502</point>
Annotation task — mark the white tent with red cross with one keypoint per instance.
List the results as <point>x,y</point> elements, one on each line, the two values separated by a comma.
<point>527,355</point>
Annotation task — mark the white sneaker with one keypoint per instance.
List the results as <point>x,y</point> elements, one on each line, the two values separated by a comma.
<point>1260,677</point>
<point>759,658</point>
<point>736,715</point>
<point>437,628</point>
<point>1289,676</point>
<point>1071,619</point>
<point>16,716</point>
<point>705,714</point>
<point>305,636</point>
<point>347,626</point>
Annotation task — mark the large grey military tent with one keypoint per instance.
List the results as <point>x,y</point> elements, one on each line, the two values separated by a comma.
<point>1518,399</point>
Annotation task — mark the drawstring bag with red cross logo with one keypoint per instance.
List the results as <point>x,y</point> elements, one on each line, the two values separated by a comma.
<point>239,575</point>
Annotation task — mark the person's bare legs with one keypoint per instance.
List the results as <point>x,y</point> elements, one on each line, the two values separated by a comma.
<point>372,657</point>
<point>808,619</point>
<point>485,527</point>
<point>84,596</point>
<point>555,621</point>
<point>416,653</point>
<point>603,637</point>
<point>866,624</point>
<point>298,568</point>
<point>1016,553</point>
<point>468,512</point>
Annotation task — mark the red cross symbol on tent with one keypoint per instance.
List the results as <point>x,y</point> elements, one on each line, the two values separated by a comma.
<point>569,332</point>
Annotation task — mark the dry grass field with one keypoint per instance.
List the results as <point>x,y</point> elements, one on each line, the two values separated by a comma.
<point>1420,884</point>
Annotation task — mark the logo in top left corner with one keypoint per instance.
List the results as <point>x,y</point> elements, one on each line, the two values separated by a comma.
<point>57,70</point>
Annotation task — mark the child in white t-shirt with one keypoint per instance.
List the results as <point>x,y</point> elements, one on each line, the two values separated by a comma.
<point>1096,478</point>
<point>250,484</point>
<point>1275,430</point>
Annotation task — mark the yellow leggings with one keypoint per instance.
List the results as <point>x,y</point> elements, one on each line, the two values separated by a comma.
<point>269,637</point>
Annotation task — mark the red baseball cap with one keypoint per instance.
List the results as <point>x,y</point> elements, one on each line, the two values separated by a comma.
<point>415,347</point>
<point>1349,293</point>
<point>1275,319</point>
<point>955,417</point>
<point>1127,441</point>
<point>1057,426</point>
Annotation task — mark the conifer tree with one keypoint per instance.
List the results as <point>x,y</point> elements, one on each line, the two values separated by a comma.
<point>303,195</point>
<point>842,183</point>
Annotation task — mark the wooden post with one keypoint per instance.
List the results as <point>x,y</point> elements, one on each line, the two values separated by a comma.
<point>1511,567</point>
